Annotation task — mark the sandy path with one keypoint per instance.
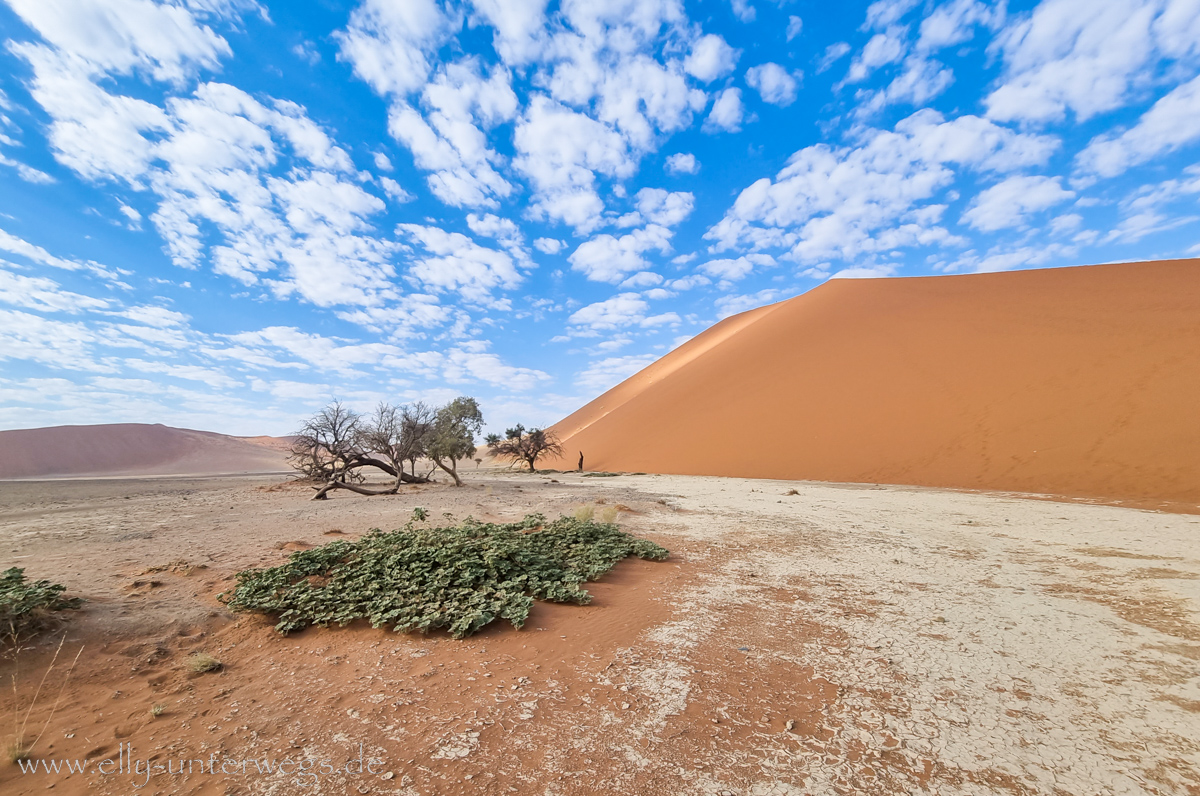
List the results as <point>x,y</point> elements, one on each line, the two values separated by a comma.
<point>839,640</point>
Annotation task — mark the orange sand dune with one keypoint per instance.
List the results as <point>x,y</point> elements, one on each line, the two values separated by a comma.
<point>133,449</point>
<point>1081,382</point>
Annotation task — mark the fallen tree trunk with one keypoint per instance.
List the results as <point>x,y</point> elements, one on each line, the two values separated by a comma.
<point>339,482</point>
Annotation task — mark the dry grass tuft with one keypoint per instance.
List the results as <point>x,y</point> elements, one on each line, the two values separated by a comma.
<point>202,662</point>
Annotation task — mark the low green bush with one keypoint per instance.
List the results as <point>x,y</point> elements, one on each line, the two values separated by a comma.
<point>459,578</point>
<point>26,608</point>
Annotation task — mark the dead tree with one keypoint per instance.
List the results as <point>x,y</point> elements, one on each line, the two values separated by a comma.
<point>324,445</point>
<point>525,446</point>
<point>337,443</point>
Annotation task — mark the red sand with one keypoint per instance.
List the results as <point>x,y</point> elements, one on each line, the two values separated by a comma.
<point>1081,382</point>
<point>134,449</point>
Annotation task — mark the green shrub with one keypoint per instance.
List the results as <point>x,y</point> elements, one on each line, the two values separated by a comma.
<point>26,608</point>
<point>460,578</point>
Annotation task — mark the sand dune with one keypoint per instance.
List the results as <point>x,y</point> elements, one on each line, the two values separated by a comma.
<point>134,449</point>
<point>1079,381</point>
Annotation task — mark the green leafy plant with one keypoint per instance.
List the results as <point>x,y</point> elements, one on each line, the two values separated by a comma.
<point>27,608</point>
<point>459,578</point>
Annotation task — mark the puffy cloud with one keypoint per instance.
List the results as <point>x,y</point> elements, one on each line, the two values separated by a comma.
<point>710,58</point>
<point>1009,203</point>
<point>383,162</point>
<point>773,83</point>
<point>726,113</point>
<point>731,270</point>
<point>1171,123</point>
<point>389,45</point>
<point>450,141</point>
<point>642,279</point>
<point>682,163</point>
<point>844,202</point>
<point>1087,57</point>
<point>455,262</point>
<point>560,150</point>
<point>607,258</point>
<point>665,208</point>
<point>549,245</point>
<point>518,26</point>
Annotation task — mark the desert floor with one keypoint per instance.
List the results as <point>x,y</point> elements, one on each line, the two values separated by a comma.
<point>842,639</point>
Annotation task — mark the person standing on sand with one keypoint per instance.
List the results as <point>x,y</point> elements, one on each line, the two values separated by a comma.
<point>581,461</point>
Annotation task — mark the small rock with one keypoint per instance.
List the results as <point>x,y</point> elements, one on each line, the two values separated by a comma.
<point>624,706</point>
<point>791,725</point>
<point>388,775</point>
<point>716,721</point>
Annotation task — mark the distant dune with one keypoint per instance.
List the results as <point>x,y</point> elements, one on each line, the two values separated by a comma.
<point>1080,382</point>
<point>134,449</point>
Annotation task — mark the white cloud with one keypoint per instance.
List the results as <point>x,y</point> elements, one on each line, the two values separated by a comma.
<point>606,258</point>
<point>600,376</point>
<point>165,41</point>
<point>449,140</point>
<point>731,270</point>
<point>732,305</point>
<point>389,44</point>
<point>22,248</point>
<point>842,203</point>
<point>773,83</point>
<point>1171,123</point>
<point>206,375</point>
<point>886,13</point>
<point>519,35</point>
<point>726,113</point>
<point>795,25</point>
<point>665,208</point>
<point>1087,57</point>
<point>642,279</point>
<point>383,162</point>
<point>954,22</point>
<point>833,53</point>
<point>1009,203</point>
<point>25,172</point>
<point>743,10</point>
<point>682,163</point>
<point>394,191</point>
<point>710,58</point>
<point>549,245</point>
<point>620,311</point>
<point>456,262</point>
<point>462,365</point>
<point>559,150</point>
<point>882,49</point>
<point>40,293</point>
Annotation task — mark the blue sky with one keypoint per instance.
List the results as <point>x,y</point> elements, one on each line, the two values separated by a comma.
<point>220,214</point>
